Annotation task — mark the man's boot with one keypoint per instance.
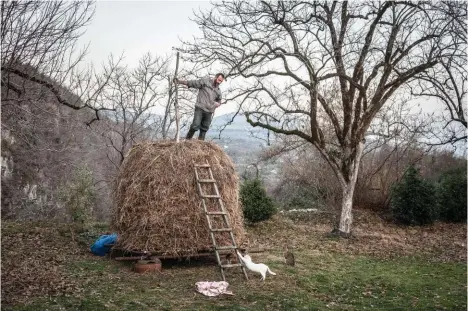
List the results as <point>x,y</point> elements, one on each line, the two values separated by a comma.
<point>201,135</point>
<point>190,134</point>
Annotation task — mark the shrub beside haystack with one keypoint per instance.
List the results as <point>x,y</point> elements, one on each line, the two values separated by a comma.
<point>157,205</point>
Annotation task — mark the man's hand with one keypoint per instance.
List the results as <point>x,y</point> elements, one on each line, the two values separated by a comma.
<point>178,81</point>
<point>217,104</point>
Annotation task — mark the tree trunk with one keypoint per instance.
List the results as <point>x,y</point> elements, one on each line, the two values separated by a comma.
<point>346,218</point>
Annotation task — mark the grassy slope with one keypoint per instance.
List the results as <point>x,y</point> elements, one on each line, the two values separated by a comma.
<point>332,274</point>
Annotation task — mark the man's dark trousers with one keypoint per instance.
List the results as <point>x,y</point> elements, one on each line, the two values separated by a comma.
<point>201,121</point>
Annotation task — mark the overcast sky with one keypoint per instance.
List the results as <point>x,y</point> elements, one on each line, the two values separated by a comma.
<point>136,27</point>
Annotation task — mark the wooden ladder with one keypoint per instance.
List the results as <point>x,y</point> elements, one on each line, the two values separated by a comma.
<point>220,212</point>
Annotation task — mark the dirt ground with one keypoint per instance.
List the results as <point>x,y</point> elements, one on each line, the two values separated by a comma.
<point>36,256</point>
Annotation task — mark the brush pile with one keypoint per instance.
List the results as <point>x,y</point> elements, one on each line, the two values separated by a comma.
<point>157,205</point>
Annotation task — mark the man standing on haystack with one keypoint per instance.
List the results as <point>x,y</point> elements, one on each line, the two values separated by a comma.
<point>208,99</point>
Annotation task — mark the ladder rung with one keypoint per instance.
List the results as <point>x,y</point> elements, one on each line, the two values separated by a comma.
<point>222,230</point>
<point>211,179</point>
<point>232,265</point>
<point>214,196</point>
<point>219,248</point>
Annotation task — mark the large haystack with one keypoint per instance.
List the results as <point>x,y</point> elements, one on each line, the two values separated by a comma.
<point>157,205</point>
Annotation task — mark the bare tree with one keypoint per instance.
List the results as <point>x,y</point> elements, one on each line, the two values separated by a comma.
<point>43,85</point>
<point>132,96</point>
<point>313,68</point>
<point>449,86</point>
<point>39,46</point>
<point>447,82</point>
<point>186,100</point>
<point>167,120</point>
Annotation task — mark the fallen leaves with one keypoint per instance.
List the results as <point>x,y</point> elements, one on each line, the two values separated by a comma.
<point>371,235</point>
<point>36,259</point>
<point>33,260</point>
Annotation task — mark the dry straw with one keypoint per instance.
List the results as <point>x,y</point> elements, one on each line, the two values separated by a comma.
<point>157,205</point>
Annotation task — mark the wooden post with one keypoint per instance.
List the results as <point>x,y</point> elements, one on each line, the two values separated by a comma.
<point>176,104</point>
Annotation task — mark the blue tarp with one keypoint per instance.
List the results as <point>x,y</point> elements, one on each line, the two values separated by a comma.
<point>100,247</point>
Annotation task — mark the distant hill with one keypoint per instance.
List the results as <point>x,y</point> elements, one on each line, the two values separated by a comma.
<point>237,127</point>
<point>239,139</point>
<point>243,143</point>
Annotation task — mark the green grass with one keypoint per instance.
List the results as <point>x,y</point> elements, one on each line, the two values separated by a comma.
<point>318,282</point>
<point>331,273</point>
<point>405,284</point>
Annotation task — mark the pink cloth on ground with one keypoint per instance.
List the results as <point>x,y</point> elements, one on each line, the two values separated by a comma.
<point>212,289</point>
